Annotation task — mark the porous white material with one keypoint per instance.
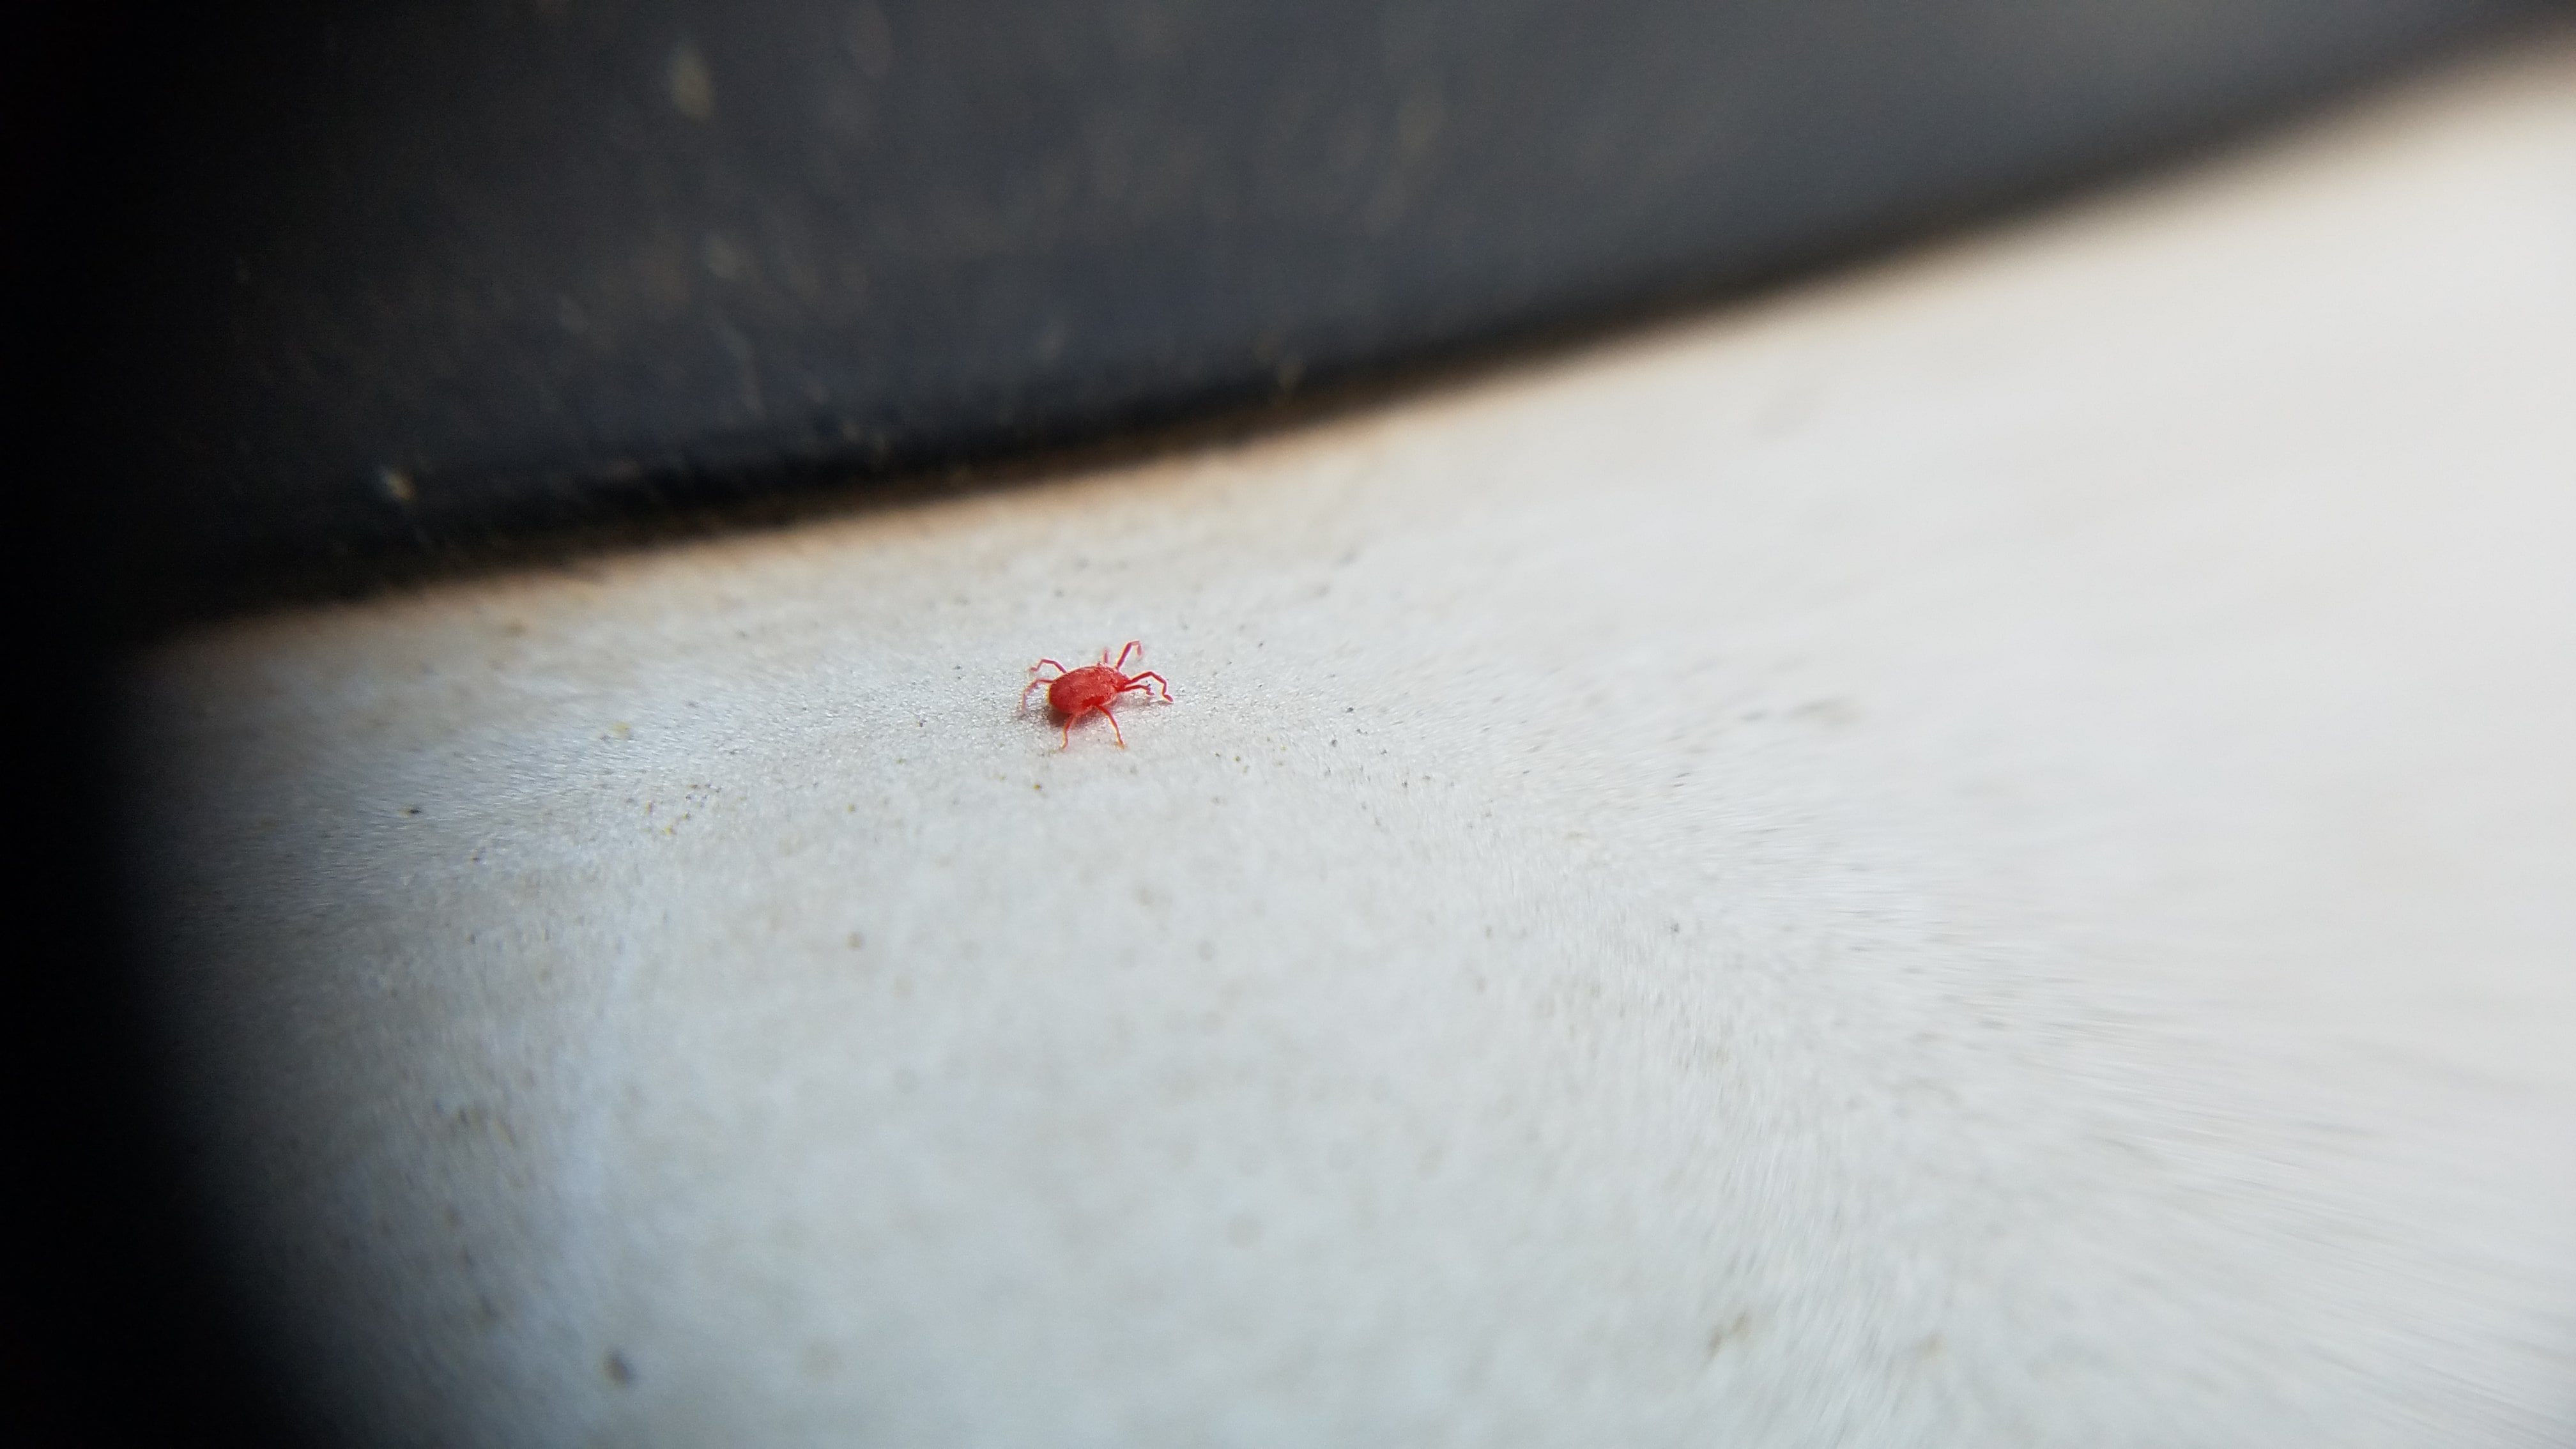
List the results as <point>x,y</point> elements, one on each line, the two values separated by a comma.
<point>1983,852</point>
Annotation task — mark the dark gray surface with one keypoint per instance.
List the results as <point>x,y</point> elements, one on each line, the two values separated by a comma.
<point>399,276</point>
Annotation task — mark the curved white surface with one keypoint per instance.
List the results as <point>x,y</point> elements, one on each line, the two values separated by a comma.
<point>1981,853</point>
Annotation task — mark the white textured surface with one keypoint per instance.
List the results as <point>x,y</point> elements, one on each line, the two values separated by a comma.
<point>1984,853</point>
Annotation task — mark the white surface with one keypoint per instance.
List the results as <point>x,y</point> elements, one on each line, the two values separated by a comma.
<point>1978,854</point>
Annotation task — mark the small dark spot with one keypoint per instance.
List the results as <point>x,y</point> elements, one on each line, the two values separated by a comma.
<point>1728,1332</point>
<point>619,1371</point>
<point>857,941</point>
<point>411,810</point>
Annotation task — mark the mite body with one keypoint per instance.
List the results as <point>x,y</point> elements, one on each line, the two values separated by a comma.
<point>1091,689</point>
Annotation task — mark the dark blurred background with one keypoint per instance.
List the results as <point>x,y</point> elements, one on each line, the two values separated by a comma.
<point>361,279</point>
<point>304,296</point>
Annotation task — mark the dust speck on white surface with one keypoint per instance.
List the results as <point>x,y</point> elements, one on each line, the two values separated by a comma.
<point>1976,854</point>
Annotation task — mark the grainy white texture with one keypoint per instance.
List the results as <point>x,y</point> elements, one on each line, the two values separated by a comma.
<point>1982,853</point>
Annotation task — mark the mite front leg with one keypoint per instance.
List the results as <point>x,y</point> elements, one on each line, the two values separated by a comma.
<point>1036,679</point>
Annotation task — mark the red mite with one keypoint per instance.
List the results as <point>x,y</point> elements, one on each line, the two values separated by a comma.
<point>1074,693</point>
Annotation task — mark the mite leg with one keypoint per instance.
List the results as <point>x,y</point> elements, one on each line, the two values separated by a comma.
<point>1035,681</point>
<point>1132,646</point>
<point>1113,728</point>
<point>1137,681</point>
<point>1068,733</point>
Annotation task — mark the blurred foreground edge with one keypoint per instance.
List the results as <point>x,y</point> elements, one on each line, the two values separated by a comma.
<point>357,288</point>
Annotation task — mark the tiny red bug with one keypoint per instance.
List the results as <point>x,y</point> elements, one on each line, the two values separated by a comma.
<point>1074,693</point>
